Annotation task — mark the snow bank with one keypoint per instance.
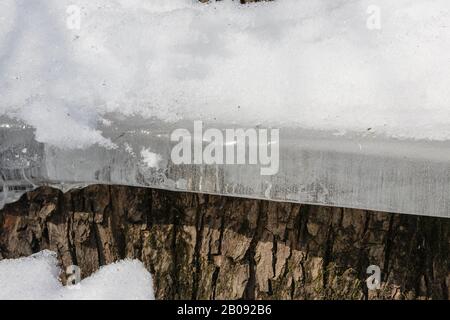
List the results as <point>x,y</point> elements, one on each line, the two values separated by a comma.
<point>36,277</point>
<point>311,64</point>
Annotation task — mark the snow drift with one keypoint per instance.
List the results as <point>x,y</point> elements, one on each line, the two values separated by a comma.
<point>36,277</point>
<point>309,64</point>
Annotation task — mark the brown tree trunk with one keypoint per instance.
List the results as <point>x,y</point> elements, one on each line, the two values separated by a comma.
<point>211,247</point>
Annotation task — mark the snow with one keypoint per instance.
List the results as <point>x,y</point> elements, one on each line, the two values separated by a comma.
<point>37,277</point>
<point>301,63</point>
<point>151,159</point>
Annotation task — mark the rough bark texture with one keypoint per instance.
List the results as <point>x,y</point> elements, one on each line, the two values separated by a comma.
<point>212,247</point>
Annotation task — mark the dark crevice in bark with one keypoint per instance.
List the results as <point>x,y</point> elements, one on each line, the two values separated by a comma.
<point>99,246</point>
<point>249,292</point>
<point>215,276</point>
<point>70,242</point>
<point>274,259</point>
<point>327,255</point>
<point>301,225</point>
<point>198,241</point>
<point>149,208</point>
<point>117,232</point>
<point>387,250</point>
<point>364,261</point>
<point>175,266</point>
<point>221,230</point>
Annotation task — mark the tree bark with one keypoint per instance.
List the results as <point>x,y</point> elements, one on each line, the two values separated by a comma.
<point>211,247</point>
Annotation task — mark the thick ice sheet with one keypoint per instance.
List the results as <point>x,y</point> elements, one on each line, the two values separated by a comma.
<point>309,64</point>
<point>36,277</point>
<point>363,114</point>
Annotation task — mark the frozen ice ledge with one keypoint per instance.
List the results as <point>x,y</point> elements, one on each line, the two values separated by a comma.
<point>354,171</point>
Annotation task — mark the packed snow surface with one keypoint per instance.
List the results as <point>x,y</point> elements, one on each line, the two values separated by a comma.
<point>36,277</point>
<point>67,65</point>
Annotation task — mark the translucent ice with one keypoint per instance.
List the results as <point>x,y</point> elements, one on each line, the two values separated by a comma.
<point>92,89</point>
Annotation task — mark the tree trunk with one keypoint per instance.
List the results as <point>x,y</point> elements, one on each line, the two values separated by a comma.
<point>211,247</point>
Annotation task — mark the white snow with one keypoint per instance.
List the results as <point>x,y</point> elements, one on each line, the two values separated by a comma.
<point>151,159</point>
<point>37,277</point>
<point>306,63</point>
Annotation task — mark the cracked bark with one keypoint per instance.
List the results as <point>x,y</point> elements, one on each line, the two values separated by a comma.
<point>211,247</point>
